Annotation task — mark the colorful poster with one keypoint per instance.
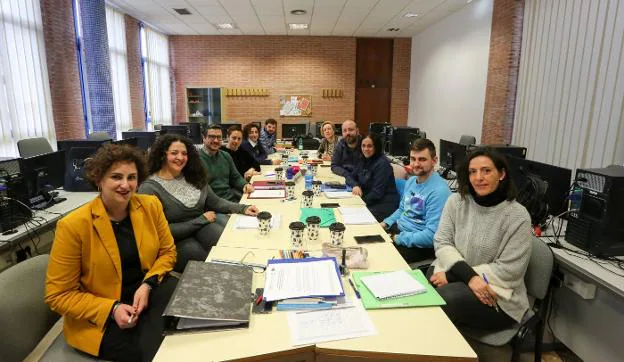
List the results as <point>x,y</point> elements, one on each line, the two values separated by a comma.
<point>295,106</point>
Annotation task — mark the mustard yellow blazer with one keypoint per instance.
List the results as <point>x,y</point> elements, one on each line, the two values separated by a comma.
<point>84,271</point>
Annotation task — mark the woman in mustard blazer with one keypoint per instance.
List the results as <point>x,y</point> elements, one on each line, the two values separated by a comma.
<point>109,264</point>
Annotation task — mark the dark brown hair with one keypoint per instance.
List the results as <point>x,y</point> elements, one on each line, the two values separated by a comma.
<point>234,128</point>
<point>270,121</point>
<point>107,155</point>
<point>194,172</point>
<point>500,162</point>
<point>423,143</point>
<point>248,128</point>
<point>377,143</point>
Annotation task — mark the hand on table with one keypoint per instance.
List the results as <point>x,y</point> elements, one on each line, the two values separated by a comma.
<point>247,189</point>
<point>357,191</point>
<point>252,210</point>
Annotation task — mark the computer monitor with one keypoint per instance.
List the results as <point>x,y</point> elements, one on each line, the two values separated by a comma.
<point>401,139</point>
<point>131,141</point>
<point>67,145</point>
<point>451,155</point>
<point>510,150</point>
<point>181,130</point>
<point>43,173</point>
<point>557,178</point>
<point>293,130</point>
<point>194,131</point>
<point>378,127</point>
<point>145,139</point>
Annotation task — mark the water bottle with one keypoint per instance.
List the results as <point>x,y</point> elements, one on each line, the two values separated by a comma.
<point>300,144</point>
<point>308,180</point>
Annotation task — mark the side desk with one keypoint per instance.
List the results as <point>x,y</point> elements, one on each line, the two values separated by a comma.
<point>49,216</point>
<point>591,328</point>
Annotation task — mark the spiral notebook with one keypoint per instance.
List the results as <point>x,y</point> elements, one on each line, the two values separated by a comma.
<point>393,284</point>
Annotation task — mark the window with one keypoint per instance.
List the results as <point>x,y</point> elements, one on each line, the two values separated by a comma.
<point>155,58</point>
<point>116,30</point>
<point>25,101</point>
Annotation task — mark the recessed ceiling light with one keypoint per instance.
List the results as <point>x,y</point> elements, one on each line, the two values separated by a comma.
<point>298,26</point>
<point>298,12</point>
<point>225,26</point>
<point>410,15</point>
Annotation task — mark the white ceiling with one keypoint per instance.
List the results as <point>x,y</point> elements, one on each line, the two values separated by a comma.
<point>357,18</point>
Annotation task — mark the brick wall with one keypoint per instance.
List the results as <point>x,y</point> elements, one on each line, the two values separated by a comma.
<point>135,72</point>
<point>504,59</point>
<point>62,63</point>
<point>401,62</point>
<point>284,65</point>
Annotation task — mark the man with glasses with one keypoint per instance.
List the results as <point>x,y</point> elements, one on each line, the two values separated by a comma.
<point>223,176</point>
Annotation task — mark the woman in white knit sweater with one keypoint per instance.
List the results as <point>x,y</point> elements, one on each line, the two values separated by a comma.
<point>483,246</point>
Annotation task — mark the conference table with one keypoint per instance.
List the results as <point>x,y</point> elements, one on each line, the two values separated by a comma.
<point>415,334</point>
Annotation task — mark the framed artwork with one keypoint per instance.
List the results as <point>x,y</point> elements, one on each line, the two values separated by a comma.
<point>295,106</point>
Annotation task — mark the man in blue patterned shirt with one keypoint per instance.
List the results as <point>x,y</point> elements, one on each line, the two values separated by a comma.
<point>267,135</point>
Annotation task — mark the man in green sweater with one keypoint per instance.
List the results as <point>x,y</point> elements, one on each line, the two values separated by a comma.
<point>223,176</point>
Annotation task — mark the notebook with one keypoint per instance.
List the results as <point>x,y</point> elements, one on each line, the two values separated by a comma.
<point>210,296</point>
<point>251,222</point>
<point>267,194</point>
<point>357,216</point>
<point>393,284</point>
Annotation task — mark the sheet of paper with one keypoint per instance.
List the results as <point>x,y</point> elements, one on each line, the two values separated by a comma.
<point>251,222</point>
<point>302,279</point>
<point>329,325</point>
<point>339,195</point>
<point>357,216</point>
<point>267,194</point>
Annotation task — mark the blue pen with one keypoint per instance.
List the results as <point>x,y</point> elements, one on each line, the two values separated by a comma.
<point>488,283</point>
<point>357,294</point>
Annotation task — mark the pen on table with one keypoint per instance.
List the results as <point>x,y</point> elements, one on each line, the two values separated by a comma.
<point>357,294</point>
<point>488,283</point>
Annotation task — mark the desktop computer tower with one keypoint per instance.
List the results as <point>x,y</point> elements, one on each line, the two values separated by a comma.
<point>598,226</point>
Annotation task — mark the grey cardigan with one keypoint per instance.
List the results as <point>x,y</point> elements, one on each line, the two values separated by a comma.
<point>495,241</point>
<point>185,221</point>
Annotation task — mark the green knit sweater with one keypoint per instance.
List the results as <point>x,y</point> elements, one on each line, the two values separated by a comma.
<point>222,174</point>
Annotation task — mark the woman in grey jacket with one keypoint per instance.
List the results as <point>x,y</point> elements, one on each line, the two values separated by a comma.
<point>196,215</point>
<point>483,246</point>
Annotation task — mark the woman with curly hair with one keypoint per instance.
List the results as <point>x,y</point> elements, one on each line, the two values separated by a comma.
<point>251,144</point>
<point>108,268</point>
<point>196,215</point>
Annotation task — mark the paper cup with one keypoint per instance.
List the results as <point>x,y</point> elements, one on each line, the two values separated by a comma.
<point>314,227</point>
<point>307,197</point>
<point>264,222</point>
<point>296,235</point>
<point>290,190</point>
<point>336,232</point>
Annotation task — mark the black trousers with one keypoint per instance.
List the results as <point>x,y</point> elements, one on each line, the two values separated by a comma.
<point>411,255</point>
<point>141,342</point>
<point>464,309</point>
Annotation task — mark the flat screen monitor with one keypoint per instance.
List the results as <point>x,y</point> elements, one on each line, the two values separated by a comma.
<point>451,154</point>
<point>67,145</point>
<point>378,127</point>
<point>43,173</point>
<point>510,150</point>
<point>131,141</point>
<point>194,131</point>
<point>557,178</point>
<point>294,130</point>
<point>145,139</point>
<point>181,130</point>
<point>401,139</point>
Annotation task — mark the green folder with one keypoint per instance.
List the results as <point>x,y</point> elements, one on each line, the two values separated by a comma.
<point>427,299</point>
<point>326,214</point>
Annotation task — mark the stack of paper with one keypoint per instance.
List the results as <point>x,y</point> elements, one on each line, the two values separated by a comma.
<point>394,284</point>
<point>357,216</point>
<point>338,194</point>
<point>296,278</point>
<point>251,222</point>
<point>268,194</point>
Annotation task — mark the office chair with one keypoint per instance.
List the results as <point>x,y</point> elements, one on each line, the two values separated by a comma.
<point>467,140</point>
<point>537,281</point>
<point>98,136</point>
<point>30,147</point>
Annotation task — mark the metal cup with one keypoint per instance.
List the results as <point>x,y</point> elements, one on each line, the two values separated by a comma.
<point>314,227</point>
<point>306,198</point>
<point>290,190</point>
<point>264,222</point>
<point>336,232</point>
<point>316,187</point>
<point>296,235</point>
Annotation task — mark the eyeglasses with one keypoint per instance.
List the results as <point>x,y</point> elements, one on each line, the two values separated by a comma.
<point>214,137</point>
<point>255,267</point>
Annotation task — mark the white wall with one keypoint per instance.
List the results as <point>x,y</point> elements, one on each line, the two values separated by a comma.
<point>449,74</point>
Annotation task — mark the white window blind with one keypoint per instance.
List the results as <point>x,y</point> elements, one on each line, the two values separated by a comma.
<point>116,29</point>
<point>158,87</point>
<point>25,101</point>
<point>569,109</point>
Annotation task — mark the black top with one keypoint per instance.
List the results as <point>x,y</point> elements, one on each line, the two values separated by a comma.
<point>243,160</point>
<point>131,273</point>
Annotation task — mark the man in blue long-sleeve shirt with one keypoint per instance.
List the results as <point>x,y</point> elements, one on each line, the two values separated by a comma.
<point>416,220</point>
<point>347,152</point>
